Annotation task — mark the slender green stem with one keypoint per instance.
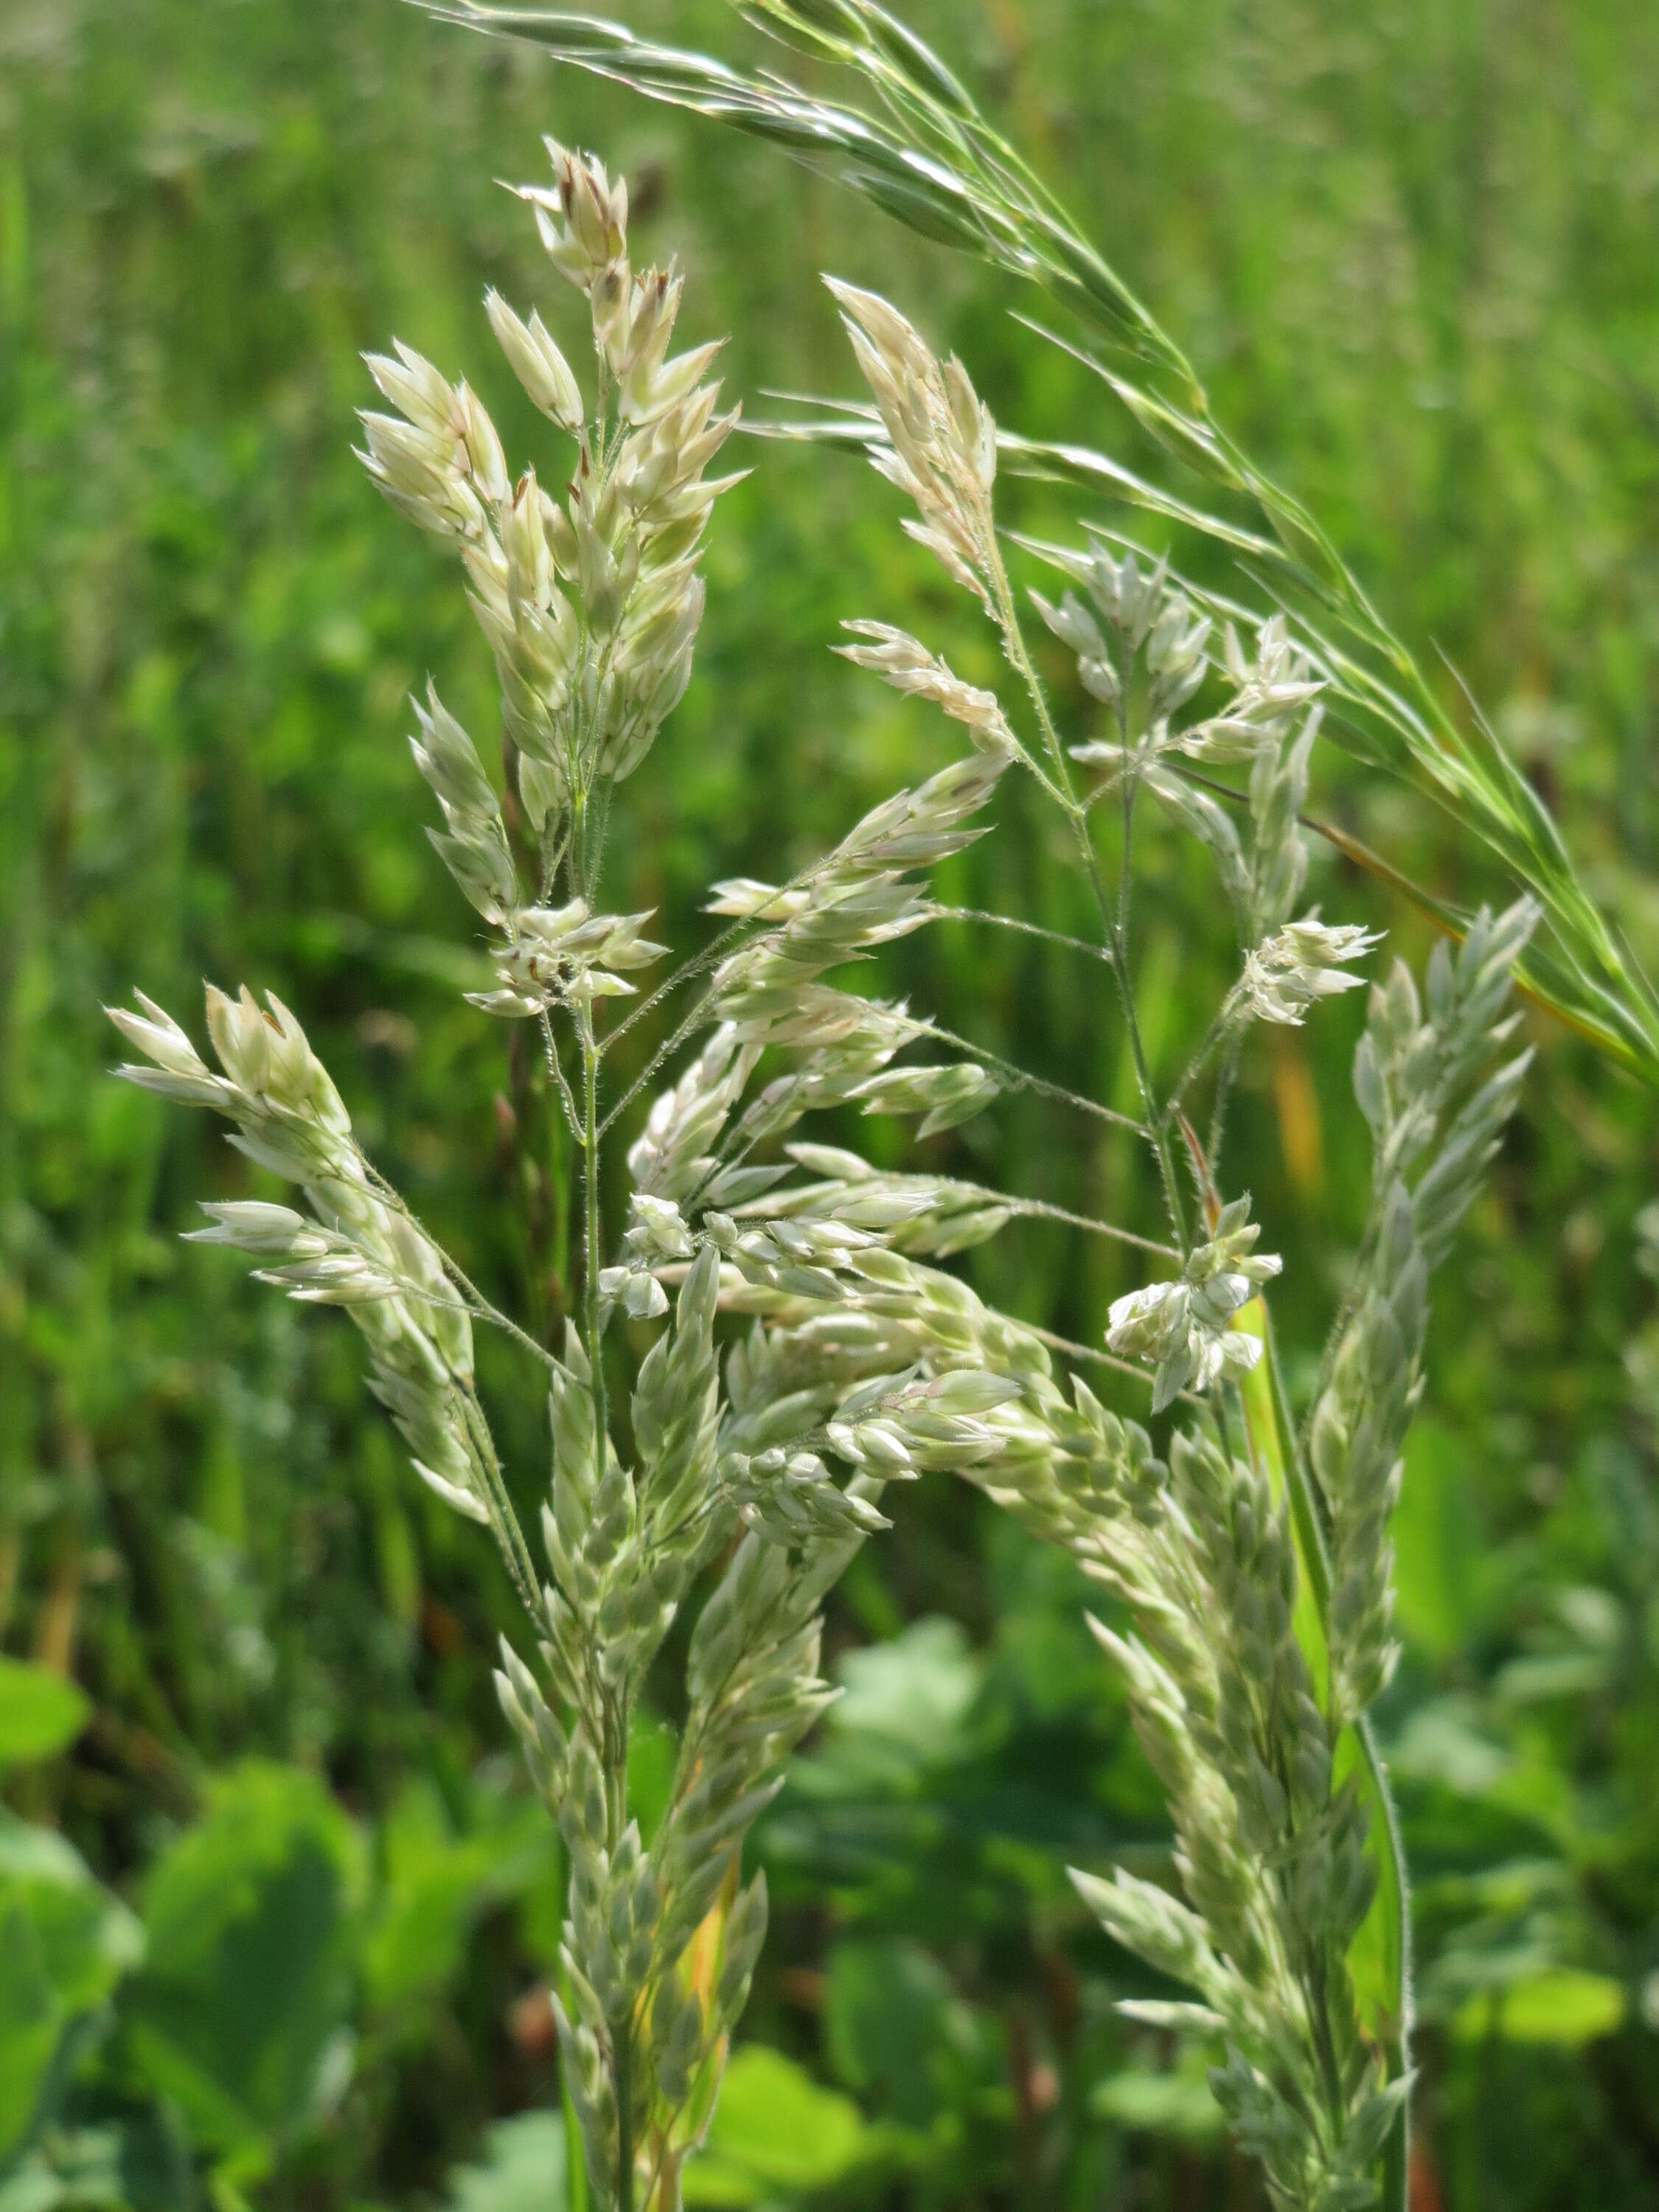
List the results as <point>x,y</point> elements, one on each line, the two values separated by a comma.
<point>622,2034</point>
<point>1038,1209</point>
<point>1195,1066</point>
<point>476,1309</point>
<point>1019,659</point>
<point>555,1069</point>
<point>593,1248</point>
<point>585,863</point>
<point>1223,1091</point>
<point>553,855</point>
<point>670,1045</point>
<point>1397,2155</point>
<point>1119,930</point>
<point>1114,929</point>
<point>587,831</point>
<point>1025,928</point>
<point>696,965</point>
<point>1017,1077</point>
<point>604,792</point>
<point>1095,1356</point>
<point>1128,782</point>
<point>472,1300</point>
<point>503,1521</point>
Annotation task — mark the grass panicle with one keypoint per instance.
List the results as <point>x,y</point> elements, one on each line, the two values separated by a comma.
<point>802,1345</point>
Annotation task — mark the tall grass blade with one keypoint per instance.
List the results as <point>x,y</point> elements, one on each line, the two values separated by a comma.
<point>918,145</point>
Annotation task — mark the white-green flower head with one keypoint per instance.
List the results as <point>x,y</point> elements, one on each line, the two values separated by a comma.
<point>1304,962</point>
<point>1183,1328</point>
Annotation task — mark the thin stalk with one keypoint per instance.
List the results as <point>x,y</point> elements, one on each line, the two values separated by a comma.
<point>503,1521</point>
<point>482,1311</point>
<point>1021,1078</point>
<point>670,1045</point>
<point>587,841</point>
<point>553,855</point>
<point>605,791</point>
<point>555,1069</point>
<point>474,1302</point>
<point>593,1248</point>
<point>1025,928</point>
<point>585,863</point>
<point>1199,1060</point>
<point>1093,1354</point>
<point>622,2052</point>
<point>472,1299</point>
<point>1038,1209</point>
<point>1119,938</point>
<point>1115,932</point>
<point>1129,782</point>
<point>1223,1094</point>
<point>687,968</point>
<point>1314,1989</point>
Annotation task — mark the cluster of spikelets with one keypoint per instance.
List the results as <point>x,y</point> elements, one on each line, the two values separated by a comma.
<point>1276,1854</point>
<point>591,606</point>
<point>768,1475</point>
<point>1436,1110</point>
<point>866,1361</point>
<point>359,1247</point>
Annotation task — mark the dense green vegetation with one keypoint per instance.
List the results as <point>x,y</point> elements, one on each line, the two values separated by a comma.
<point>274,1910</point>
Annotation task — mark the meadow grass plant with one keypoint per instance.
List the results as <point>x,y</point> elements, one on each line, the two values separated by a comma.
<point>591,606</point>
<point>1242,1556</point>
<point>1248,1560</point>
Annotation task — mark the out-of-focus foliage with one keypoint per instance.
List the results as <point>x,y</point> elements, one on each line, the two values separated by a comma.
<point>276,1924</point>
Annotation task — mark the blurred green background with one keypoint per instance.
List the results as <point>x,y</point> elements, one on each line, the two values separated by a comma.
<point>274,1911</point>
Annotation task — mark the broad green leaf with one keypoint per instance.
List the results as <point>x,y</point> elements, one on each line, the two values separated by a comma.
<point>1566,2008</point>
<point>894,2026</point>
<point>240,2015</point>
<point>1445,1577</point>
<point>134,2163</point>
<point>1442,1742</point>
<point>435,1881</point>
<point>65,1943</point>
<point>907,1702</point>
<point>41,1712</point>
<point>522,2168</point>
<point>653,1753</point>
<point>775,2130</point>
<point>1178,2104</point>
